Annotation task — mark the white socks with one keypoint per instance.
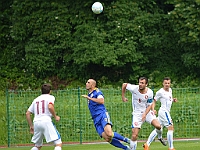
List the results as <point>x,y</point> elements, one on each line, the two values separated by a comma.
<point>34,148</point>
<point>133,145</point>
<point>170,139</point>
<point>151,137</point>
<point>57,148</point>
<point>159,132</point>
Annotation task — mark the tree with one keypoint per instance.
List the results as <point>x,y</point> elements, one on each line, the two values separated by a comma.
<point>186,23</point>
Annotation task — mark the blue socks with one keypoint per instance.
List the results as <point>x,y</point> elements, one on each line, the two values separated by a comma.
<point>116,140</point>
<point>120,137</point>
<point>117,143</point>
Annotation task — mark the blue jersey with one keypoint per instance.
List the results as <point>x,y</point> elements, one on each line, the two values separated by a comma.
<point>94,107</point>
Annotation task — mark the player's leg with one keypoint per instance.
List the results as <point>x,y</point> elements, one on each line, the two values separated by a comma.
<point>150,139</point>
<point>170,137</point>
<point>37,136</point>
<point>104,128</point>
<point>58,144</point>
<point>157,125</point>
<point>136,125</point>
<point>108,135</point>
<point>151,119</point>
<point>52,135</point>
<point>120,137</point>
<point>167,122</point>
<point>133,142</point>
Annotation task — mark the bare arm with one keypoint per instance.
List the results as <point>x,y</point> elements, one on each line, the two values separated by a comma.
<point>29,120</point>
<point>97,100</point>
<point>146,112</point>
<point>124,99</point>
<point>52,111</point>
<point>147,109</point>
<point>153,106</point>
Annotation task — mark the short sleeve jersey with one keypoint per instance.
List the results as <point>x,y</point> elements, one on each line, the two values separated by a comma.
<point>94,107</point>
<point>140,101</point>
<point>39,107</point>
<point>165,98</point>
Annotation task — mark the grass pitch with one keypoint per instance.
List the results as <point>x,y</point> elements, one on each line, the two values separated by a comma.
<point>179,145</point>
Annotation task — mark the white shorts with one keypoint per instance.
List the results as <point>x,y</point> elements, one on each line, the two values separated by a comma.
<point>150,117</point>
<point>137,119</point>
<point>47,130</point>
<point>164,118</point>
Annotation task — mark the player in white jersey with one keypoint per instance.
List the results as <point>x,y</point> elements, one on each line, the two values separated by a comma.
<point>164,117</point>
<point>142,98</point>
<point>42,126</point>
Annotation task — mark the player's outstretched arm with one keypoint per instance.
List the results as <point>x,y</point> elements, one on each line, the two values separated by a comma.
<point>97,100</point>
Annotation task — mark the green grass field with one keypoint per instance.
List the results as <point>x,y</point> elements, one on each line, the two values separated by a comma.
<point>179,145</point>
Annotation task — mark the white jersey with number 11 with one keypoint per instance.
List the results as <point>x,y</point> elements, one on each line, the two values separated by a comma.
<point>39,107</point>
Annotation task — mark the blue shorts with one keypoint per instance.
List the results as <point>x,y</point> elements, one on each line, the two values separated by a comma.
<point>101,121</point>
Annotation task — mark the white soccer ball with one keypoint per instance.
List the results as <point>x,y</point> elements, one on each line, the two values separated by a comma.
<point>97,8</point>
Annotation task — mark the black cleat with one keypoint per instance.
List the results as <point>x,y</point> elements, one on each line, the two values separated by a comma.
<point>163,142</point>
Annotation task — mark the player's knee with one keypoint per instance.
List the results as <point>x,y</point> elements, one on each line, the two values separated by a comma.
<point>134,136</point>
<point>58,142</point>
<point>171,128</point>
<point>158,127</point>
<point>106,137</point>
<point>156,124</point>
<point>108,140</point>
<point>110,134</point>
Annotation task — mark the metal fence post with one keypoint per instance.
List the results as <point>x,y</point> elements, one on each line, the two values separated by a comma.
<point>79,105</point>
<point>8,118</point>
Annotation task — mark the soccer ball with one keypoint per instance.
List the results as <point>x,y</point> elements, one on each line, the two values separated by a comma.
<point>97,8</point>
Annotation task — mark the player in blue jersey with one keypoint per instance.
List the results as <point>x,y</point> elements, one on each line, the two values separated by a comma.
<point>101,117</point>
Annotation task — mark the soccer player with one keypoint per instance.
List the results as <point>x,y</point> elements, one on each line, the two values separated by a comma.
<point>101,117</point>
<point>142,98</point>
<point>164,117</point>
<point>43,109</point>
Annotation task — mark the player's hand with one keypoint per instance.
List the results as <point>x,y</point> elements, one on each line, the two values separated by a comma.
<point>175,99</point>
<point>124,99</point>
<point>85,96</point>
<point>57,118</point>
<point>155,112</point>
<point>31,130</point>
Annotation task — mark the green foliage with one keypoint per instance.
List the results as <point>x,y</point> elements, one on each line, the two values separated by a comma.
<point>186,24</point>
<point>41,40</point>
<point>3,119</point>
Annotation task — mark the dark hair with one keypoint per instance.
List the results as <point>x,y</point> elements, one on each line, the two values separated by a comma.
<point>144,78</point>
<point>46,88</point>
<point>166,78</point>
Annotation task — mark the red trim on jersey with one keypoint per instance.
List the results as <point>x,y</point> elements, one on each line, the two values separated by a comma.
<point>51,103</point>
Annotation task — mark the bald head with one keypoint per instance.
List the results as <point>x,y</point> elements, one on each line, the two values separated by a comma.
<point>90,84</point>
